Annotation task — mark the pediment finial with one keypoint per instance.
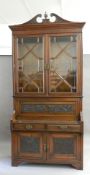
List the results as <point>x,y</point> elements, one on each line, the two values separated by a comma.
<point>45,19</point>
<point>45,15</point>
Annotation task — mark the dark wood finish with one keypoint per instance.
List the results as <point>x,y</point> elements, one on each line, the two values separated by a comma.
<point>58,143</point>
<point>47,126</point>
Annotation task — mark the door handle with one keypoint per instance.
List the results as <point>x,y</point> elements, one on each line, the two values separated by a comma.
<point>28,126</point>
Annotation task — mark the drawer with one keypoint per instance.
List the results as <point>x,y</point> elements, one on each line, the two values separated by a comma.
<point>65,128</point>
<point>28,126</point>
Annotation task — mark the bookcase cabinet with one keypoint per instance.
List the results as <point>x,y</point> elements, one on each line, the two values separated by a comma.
<point>47,126</point>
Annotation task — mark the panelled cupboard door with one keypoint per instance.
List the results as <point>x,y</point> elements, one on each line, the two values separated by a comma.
<point>29,145</point>
<point>64,147</point>
<point>47,64</point>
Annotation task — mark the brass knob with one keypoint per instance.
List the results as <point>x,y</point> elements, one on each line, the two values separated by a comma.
<point>28,126</point>
<point>63,127</point>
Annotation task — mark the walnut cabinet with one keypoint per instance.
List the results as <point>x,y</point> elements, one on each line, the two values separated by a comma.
<point>47,125</point>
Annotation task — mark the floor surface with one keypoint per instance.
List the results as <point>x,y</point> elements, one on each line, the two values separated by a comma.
<point>7,169</point>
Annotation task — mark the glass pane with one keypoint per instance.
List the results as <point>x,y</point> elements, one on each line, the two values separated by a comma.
<point>63,64</point>
<point>30,64</point>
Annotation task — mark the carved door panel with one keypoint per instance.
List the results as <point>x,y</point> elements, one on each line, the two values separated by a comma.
<point>31,145</point>
<point>63,146</point>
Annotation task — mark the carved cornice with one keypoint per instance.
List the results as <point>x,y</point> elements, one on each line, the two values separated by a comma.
<point>52,18</point>
<point>47,20</point>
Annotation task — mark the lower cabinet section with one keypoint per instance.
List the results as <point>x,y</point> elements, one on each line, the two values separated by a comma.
<point>47,147</point>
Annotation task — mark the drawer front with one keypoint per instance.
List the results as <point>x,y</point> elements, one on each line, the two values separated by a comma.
<point>27,127</point>
<point>47,127</point>
<point>65,128</point>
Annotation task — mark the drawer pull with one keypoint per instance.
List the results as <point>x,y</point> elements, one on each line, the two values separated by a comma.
<point>29,126</point>
<point>63,127</point>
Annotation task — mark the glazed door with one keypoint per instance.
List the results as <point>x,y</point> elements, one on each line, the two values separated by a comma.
<point>64,58</point>
<point>30,75</point>
<point>30,145</point>
<point>63,147</point>
<point>48,65</point>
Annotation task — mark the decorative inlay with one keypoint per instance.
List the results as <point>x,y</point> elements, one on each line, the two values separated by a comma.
<point>63,145</point>
<point>47,108</point>
<point>29,144</point>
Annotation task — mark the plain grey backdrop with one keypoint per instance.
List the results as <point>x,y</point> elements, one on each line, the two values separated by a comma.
<point>6,93</point>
